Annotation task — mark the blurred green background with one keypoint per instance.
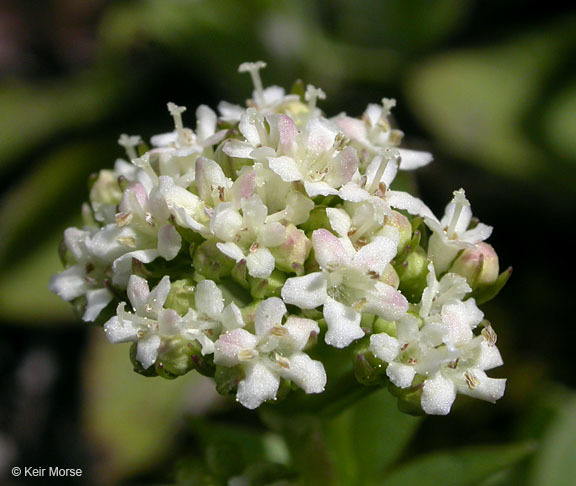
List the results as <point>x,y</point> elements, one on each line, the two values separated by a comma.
<point>488,86</point>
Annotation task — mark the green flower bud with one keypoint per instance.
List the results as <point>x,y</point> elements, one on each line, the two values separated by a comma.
<point>409,399</point>
<point>478,265</point>
<point>175,357</point>
<point>413,274</point>
<point>211,263</point>
<point>368,369</point>
<point>262,288</point>
<point>382,325</point>
<point>181,296</point>
<point>291,255</point>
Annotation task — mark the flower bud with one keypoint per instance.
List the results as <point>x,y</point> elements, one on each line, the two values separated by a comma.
<point>211,263</point>
<point>409,399</point>
<point>105,189</point>
<point>175,357</point>
<point>317,220</point>
<point>413,274</point>
<point>227,379</point>
<point>181,296</point>
<point>390,277</point>
<point>478,265</point>
<point>262,288</point>
<point>291,255</point>
<point>404,227</point>
<point>368,369</point>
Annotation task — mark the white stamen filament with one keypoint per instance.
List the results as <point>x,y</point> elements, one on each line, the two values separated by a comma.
<point>129,143</point>
<point>254,69</point>
<point>460,202</point>
<point>176,112</point>
<point>312,95</point>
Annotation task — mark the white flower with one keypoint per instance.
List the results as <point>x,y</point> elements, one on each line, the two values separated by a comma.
<point>275,351</point>
<point>373,134</point>
<point>86,277</point>
<point>442,347</point>
<point>149,324</point>
<point>248,236</point>
<point>347,286</point>
<point>451,233</point>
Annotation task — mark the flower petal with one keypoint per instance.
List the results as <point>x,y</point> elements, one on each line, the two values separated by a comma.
<point>307,373</point>
<point>147,350</point>
<point>306,292</point>
<point>208,299</point>
<point>438,395</point>
<point>230,343</point>
<point>343,324</point>
<point>400,374</point>
<point>269,314</point>
<point>384,347</point>
<point>286,168</point>
<point>96,300</point>
<point>260,263</point>
<point>413,159</point>
<point>70,283</point>
<point>386,302</point>
<point>329,250</point>
<point>300,330</point>
<point>260,385</point>
<point>169,242</point>
<point>375,256</point>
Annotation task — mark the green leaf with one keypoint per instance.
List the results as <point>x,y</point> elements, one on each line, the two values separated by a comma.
<point>463,467</point>
<point>554,464</point>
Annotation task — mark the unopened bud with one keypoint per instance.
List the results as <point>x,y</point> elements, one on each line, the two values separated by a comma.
<point>404,227</point>
<point>175,357</point>
<point>211,263</point>
<point>262,288</point>
<point>478,265</point>
<point>291,255</point>
<point>181,296</point>
<point>413,271</point>
<point>105,189</point>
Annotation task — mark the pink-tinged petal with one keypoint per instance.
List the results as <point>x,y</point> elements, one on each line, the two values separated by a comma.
<point>344,165</point>
<point>269,314</point>
<point>329,250</point>
<point>135,198</point>
<point>455,318</point>
<point>169,242</point>
<point>232,317</point>
<point>208,298</point>
<point>414,159</point>
<point>243,188</point>
<point>321,134</point>
<point>138,293</point>
<point>400,374</point>
<point>120,332</point>
<point>300,330</point>
<point>343,324</point>
<point>231,250</point>
<point>147,350</point>
<point>314,189</point>
<point>409,203</point>
<point>286,168</point>
<point>384,347</point>
<point>485,388</point>
<point>70,283</point>
<point>260,263</point>
<point>353,192</point>
<point>287,132</point>
<point>159,294</point>
<point>260,385</point>
<point>339,221</point>
<point>353,128</point>
<point>306,373</point>
<point>205,122</point>
<point>230,343</point>
<point>238,149</point>
<point>96,300</point>
<point>169,322</point>
<point>438,395</point>
<point>307,292</point>
<point>386,302</point>
<point>375,256</point>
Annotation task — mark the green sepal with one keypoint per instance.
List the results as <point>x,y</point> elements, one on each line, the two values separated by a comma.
<point>227,379</point>
<point>485,294</point>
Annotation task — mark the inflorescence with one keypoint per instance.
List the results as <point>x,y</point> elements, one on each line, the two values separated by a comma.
<point>241,247</point>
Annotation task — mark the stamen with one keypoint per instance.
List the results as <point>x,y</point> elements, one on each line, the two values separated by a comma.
<point>254,69</point>
<point>129,143</point>
<point>387,105</point>
<point>176,112</point>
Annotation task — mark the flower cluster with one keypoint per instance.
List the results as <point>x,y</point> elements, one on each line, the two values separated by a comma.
<point>243,246</point>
